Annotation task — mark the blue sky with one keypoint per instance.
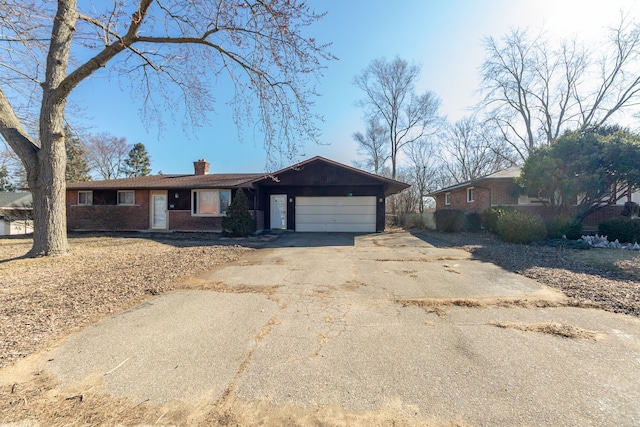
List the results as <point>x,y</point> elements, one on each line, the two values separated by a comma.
<point>445,37</point>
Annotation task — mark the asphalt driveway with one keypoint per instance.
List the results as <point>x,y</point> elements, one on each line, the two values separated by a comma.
<point>366,327</point>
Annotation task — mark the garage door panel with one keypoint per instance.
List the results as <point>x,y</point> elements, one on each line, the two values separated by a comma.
<point>339,210</point>
<point>336,214</point>
<point>345,219</point>
<point>335,228</point>
<point>336,201</point>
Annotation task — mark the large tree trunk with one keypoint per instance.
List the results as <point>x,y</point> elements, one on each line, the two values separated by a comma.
<point>48,190</point>
<point>47,181</point>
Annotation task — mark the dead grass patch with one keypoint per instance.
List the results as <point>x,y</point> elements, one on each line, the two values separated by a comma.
<point>205,285</point>
<point>558,329</point>
<point>623,262</point>
<point>425,259</point>
<point>439,306</point>
<point>352,285</point>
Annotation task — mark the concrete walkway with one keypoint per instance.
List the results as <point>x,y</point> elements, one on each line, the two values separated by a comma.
<point>368,324</point>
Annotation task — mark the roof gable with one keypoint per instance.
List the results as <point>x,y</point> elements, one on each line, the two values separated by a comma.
<point>319,171</point>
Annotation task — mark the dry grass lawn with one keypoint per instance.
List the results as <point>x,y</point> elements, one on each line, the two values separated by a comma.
<point>624,262</point>
<point>44,299</point>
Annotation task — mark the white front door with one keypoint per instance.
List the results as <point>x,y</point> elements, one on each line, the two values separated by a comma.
<point>159,210</point>
<point>279,211</point>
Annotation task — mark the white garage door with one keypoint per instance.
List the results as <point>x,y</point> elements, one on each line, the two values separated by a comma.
<point>341,214</point>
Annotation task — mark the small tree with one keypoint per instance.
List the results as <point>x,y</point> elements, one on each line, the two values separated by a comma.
<point>238,221</point>
<point>5,181</point>
<point>138,163</point>
<point>593,168</point>
<point>77,158</point>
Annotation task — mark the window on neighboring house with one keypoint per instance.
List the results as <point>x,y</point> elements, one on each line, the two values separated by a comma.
<point>210,202</point>
<point>125,197</point>
<point>85,197</point>
<point>447,199</point>
<point>470,194</point>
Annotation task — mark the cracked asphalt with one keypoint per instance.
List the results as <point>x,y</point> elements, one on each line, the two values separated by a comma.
<point>367,323</point>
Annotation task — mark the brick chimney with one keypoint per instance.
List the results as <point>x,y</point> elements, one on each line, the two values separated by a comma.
<point>201,167</point>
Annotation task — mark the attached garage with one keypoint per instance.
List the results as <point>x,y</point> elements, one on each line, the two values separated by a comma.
<point>319,195</point>
<point>335,214</point>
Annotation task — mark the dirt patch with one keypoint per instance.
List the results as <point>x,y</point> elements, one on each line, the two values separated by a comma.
<point>558,329</point>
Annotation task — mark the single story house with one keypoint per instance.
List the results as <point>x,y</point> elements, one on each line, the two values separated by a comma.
<point>316,195</point>
<point>499,189</point>
<point>15,213</point>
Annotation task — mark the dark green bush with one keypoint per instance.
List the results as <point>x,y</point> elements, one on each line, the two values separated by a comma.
<point>238,221</point>
<point>473,221</point>
<point>573,231</point>
<point>449,220</point>
<point>519,227</point>
<point>559,226</point>
<point>556,226</point>
<point>626,230</point>
<point>490,218</point>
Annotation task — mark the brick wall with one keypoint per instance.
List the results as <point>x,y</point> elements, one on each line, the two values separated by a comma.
<point>183,221</point>
<point>108,217</point>
<point>591,222</point>
<point>458,200</point>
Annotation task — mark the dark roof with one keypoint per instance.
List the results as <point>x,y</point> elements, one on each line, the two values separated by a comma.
<point>162,182</point>
<point>10,199</point>
<point>230,180</point>
<point>393,186</point>
<point>505,174</point>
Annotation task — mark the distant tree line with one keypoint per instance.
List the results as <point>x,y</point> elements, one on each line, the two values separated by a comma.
<point>534,93</point>
<point>89,157</point>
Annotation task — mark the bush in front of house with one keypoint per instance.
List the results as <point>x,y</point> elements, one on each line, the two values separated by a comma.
<point>449,220</point>
<point>238,221</point>
<point>490,218</point>
<point>473,221</point>
<point>626,230</point>
<point>519,227</point>
<point>559,226</point>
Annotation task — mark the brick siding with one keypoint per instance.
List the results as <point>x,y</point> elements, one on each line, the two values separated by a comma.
<point>108,217</point>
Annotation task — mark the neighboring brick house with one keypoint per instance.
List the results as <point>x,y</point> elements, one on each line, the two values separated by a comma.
<point>314,195</point>
<point>499,189</point>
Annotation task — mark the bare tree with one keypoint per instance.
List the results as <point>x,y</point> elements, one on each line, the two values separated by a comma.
<point>389,89</point>
<point>166,50</point>
<point>534,91</point>
<point>470,151</point>
<point>423,168</point>
<point>107,155</point>
<point>373,145</point>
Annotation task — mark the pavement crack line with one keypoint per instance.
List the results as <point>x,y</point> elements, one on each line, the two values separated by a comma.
<point>263,333</point>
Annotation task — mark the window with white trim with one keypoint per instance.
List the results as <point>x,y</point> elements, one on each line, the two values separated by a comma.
<point>210,202</point>
<point>85,197</point>
<point>126,197</point>
<point>447,199</point>
<point>470,194</point>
